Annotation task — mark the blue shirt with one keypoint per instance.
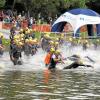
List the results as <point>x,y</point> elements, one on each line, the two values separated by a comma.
<point>0,41</point>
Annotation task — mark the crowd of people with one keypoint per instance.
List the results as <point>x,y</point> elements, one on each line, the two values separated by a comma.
<point>25,41</point>
<point>21,19</point>
<point>13,18</point>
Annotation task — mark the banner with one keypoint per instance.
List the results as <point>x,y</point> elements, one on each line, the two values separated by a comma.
<point>0,25</point>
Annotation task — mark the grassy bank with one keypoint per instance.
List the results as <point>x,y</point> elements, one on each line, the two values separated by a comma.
<point>6,42</point>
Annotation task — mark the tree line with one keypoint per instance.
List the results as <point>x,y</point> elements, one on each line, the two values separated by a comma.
<point>51,8</point>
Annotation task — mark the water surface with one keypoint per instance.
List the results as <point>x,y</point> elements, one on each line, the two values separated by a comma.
<point>32,81</point>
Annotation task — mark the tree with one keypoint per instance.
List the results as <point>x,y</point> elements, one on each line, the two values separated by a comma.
<point>94,5</point>
<point>52,8</point>
<point>77,3</point>
<point>2,3</point>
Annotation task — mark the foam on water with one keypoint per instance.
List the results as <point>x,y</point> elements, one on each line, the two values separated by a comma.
<point>91,53</point>
<point>36,62</point>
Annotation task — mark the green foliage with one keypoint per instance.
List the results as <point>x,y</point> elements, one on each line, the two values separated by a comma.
<point>76,3</point>
<point>2,3</point>
<point>37,35</point>
<point>94,5</point>
<point>94,1</point>
<point>50,8</point>
<point>6,42</point>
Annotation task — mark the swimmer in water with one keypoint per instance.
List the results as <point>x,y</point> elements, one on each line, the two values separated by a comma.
<point>77,62</point>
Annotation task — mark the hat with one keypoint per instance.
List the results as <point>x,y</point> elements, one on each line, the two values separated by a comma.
<point>56,43</point>
<point>52,49</point>
<point>57,51</point>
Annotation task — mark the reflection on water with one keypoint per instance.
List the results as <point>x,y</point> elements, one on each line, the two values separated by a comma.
<point>46,85</point>
<point>32,81</point>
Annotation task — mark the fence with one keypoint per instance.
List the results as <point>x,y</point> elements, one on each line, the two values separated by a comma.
<point>41,27</point>
<point>36,27</point>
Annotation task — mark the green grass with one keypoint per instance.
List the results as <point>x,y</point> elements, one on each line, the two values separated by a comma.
<point>6,42</point>
<point>37,35</point>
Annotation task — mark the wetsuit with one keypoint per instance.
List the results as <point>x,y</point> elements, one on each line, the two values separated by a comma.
<point>74,57</point>
<point>1,47</point>
<point>85,46</point>
<point>32,35</point>
<point>27,49</point>
<point>52,62</point>
<point>75,65</point>
<point>16,54</point>
<point>1,50</point>
<point>33,49</point>
<point>12,48</point>
<point>0,41</point>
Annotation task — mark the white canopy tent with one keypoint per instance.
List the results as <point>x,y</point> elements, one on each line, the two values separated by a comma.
<point>76,20</point>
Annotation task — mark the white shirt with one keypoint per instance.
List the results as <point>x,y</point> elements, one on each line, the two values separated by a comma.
<point>53,56</point>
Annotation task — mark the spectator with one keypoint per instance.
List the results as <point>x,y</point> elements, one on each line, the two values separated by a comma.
<point>30,22</point>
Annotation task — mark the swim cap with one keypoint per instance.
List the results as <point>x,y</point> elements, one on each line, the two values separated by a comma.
<point>51,42</point>
<point>26,40</point>
<point>20,43</point>
<point>86,41</point>
<point>56,43</point>
<point>31,30</point>
<point>52,49</point>
<point>97,40</point>
<point>1,35</point>
<point>21,30</point>
<point>70,39</point>
<point>57,51</point>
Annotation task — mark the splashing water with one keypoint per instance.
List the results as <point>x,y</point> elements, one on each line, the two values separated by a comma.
<point>36,62</point>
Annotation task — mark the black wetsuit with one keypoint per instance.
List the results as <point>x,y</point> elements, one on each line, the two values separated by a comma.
<point>27,49</point>
<point>1,50</point>
<point>74,58</point>
<point>33,49</point>
<point>85,46</point>
<point>52,64</point>
<point>12,48</point>
<point>75,65</point>
<point>16,54</point>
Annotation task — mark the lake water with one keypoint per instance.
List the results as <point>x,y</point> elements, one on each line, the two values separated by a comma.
<point>32,81</point>
<point>45,85</point>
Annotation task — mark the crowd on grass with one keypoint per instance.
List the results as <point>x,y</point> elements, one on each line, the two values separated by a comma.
<point>20,19</point>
